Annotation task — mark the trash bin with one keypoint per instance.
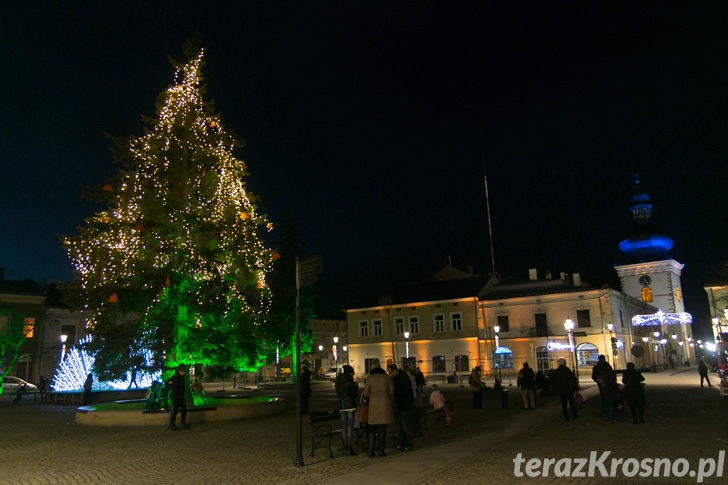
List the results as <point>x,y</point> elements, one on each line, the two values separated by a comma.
<point>504,398</point>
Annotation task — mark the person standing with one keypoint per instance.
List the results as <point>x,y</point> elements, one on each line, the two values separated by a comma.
<point>703,371</point>
<point>43,386</point>
<point>527,382</point>
<point>476,386</point>
<point>379,394</point>
<point>305,389</point>
<point>405,404</point>
<point>634,392</point>
<point>347,391</point>
<point>87,386</point>
<point>604,376</point>
<point>420,381</point>
<point>177,392</point>
<point>564,382</point>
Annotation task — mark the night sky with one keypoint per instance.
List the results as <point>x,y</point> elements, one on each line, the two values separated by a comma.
<point>375,122</point>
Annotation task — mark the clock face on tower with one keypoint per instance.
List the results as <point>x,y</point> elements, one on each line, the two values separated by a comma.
<point>645,280</point>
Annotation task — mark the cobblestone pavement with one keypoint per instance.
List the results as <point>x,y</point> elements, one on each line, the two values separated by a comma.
<point>41,444</point>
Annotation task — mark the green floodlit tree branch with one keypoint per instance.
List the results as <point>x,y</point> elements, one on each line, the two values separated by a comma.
<point>13,333</point>
<point>176,262</point>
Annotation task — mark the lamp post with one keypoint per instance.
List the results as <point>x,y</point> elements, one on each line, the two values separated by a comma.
<point>406,345</point>
<point>64,337</point>
<point>346,354</point>
<point>569,326</point>
<point>336,341</point>
<point>613,339</point>
<point>654,361</point>
<point>496,329</point>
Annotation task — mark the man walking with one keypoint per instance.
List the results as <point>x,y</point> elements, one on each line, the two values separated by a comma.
<point>703,371</point>
<point>526,381</point>
<point>179,405</point>
<point>405,404</point>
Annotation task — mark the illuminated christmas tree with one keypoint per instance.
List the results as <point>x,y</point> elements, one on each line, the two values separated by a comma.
<point>175,264</point>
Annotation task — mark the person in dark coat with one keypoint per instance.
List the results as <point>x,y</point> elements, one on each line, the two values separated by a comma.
<point>347,391</point>
<point>564,383</point>
<point>87,386</point>
<point>420,381</point>
<point>527,381</point>
<point>177,392</point>
<point>703,371</point>
<point>634,393</point>
<point>606,379</point>
<point>405,404</point>
<point>305,389</point>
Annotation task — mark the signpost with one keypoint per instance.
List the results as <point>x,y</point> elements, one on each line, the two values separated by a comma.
<point>306,272</point>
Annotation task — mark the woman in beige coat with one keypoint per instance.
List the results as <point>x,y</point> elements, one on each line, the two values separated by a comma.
<point>379,392</point>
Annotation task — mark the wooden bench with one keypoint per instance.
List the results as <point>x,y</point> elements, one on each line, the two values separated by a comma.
<point>323,429</point>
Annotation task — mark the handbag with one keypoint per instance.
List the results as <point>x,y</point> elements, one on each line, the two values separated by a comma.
<point>362,413</point>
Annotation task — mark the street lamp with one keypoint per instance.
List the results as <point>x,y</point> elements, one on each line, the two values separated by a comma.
<point>657,341</point>
<point>336,341</point>
<point>613,339</point>
<point>406,345</point>
<point>569,326</point>
<point>346,355</point>
<point>496,329</point>
<point>64,337</point>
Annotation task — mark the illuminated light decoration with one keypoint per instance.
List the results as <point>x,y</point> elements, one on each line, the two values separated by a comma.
<point>72,371</point>
<point>194,233</point>
<point>276,256</point>
<point>270,226</point>
<point>661,318</point>
<point>113,298</point>
<point>107,188</point>
<point>559,346</point>
<point>244,215</point>
<point>213,124</point>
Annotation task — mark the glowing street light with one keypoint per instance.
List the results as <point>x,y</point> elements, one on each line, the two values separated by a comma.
<point>406,344</point>
<point>336,341</point>
<point>496,329</point>
<point>569,327</point>
<point>64,337</point>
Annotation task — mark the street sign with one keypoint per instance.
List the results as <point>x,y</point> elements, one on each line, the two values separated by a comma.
<point>308,269</point>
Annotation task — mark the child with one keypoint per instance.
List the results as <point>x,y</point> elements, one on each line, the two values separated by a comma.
<point>437,399</point>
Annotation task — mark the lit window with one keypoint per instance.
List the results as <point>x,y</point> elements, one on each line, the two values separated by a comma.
<point>377,324</point>
<point>646,294</point>
<point>677,293</point>
<point>363,328</point>
<point>399,325</point>
<point>457,322</point>
<point>28,327</point>
<point>414,324</point>
<point>438,322</point>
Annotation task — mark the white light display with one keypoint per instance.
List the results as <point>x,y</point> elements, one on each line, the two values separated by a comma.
<point>662,318</point>
<point>72,371</point>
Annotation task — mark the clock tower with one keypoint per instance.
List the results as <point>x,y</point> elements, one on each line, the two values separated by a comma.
<point>650,274</point>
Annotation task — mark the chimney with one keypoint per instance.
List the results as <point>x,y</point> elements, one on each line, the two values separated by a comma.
<point>532,274</point>
<point>577,279</point>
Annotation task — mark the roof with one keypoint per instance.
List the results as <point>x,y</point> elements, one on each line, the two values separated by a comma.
<point>24,287</point>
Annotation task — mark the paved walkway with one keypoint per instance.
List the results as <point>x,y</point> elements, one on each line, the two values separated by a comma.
<point>41,444</point>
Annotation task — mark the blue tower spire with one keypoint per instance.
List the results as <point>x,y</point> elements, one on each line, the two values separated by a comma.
<point>643,244</point>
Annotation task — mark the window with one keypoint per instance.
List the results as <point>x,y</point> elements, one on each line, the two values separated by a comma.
<point>377,328</point>
<point>363,328</point>
<point>677,293</point>
<point>582,318</point>
<point>399,325</point>
<point>587,354</point>
<point>409,363</point>
<point>456,321</point>
<point>542,359</point>
<point>414,324</point>
<point>461,363</point>
<point>621,318</point>
<point>646,294</point>
<point>28,327</point>
<point>503,323</point>
<point>438,363</point>
<point>503,357</point>
<point>542,328</point>
<point>438,322</point>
